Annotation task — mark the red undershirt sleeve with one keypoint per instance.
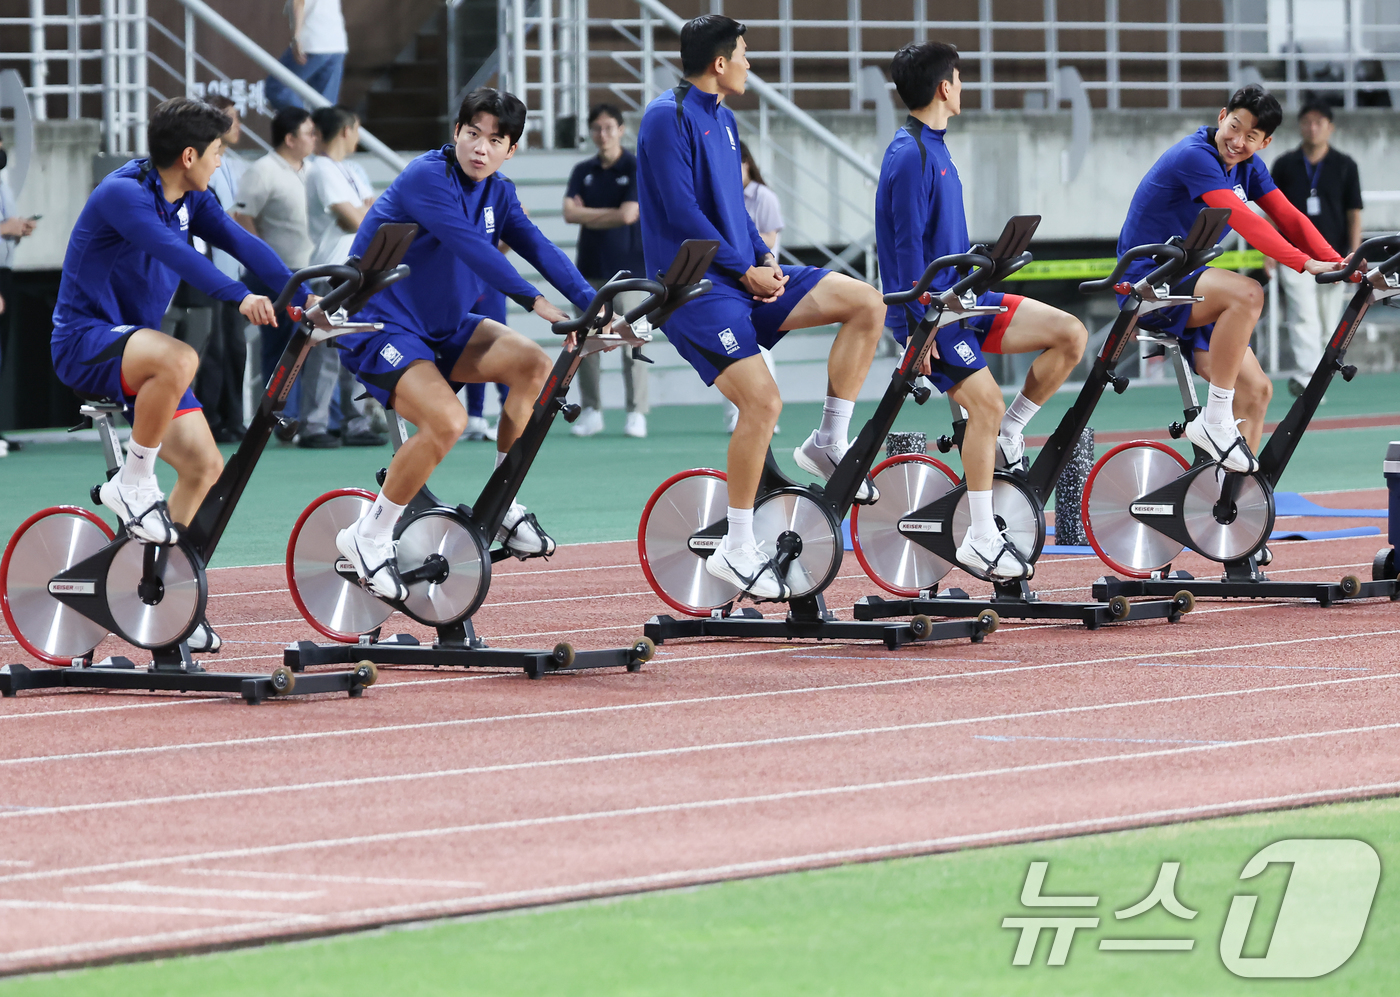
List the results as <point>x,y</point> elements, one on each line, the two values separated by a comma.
<point>1297,226</point>
<point>1257,232</point>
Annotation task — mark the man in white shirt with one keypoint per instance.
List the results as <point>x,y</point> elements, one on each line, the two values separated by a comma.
<point>272,205</point>
<point>316,54</point>
<point>13,228</point>
<point>338,196</point>
<point>219,383</point>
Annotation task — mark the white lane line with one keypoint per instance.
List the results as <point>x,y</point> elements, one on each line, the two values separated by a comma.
<point>137,886</point>
<point>66,905</point>
<point>571,598</point>
<point>255,623</point>
<point>554,820</point>
<point>749,745</point>
<point>227,595</point>
<point>1295,668</point>
<point>103,709</point>
<point>694,875</point>
<point>437,884</point>
<point>1097,740</point>
<point>563,571</point>
<point>730,697</point>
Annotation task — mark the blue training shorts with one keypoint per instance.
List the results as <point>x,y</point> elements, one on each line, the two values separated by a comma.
<point>726,324</point>
<point>87,356</point>
<point>379,359</point>
<point>961,345</point>
<point>1173,320</point>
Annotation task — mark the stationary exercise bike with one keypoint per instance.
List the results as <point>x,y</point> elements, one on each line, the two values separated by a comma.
<point>908,541</point>
<point>67,580</point>
<point>444,551</point>
<point>1144,504</point>
<point>799,525</point>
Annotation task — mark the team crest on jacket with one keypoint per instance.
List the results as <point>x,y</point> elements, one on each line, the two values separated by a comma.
<point>730,133</point>
<point>489,213</point>
<point>727,340</point>
<point>1239,192</point>
<point>184,215</point>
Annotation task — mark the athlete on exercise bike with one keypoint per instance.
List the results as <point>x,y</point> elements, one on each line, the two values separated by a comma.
<point>128,251</point>
<point>1219,167</point>
<point>432,343</point>
<point>691,187</point>
<point>918,218</point>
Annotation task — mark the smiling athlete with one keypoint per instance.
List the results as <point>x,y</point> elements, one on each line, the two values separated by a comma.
<point>1218,167</point>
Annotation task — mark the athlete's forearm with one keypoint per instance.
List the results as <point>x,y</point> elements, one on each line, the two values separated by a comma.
<point>1257,232</point>
<point>1297,227</point>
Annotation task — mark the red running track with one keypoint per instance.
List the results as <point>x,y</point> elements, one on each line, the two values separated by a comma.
<point>145,823</point>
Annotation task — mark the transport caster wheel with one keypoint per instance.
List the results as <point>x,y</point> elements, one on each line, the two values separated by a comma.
<point>563,655</point>
<point>989,621</point>
<point>1351,585</point>
<point>1119,608</point>
<point>283,681</point>
<point>1383,568</point>
<point>366,673</point>
<point>921,626</point>
<point>1184,601</point>
<point>644,650</point>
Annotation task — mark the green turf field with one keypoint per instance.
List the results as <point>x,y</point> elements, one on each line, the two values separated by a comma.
<point>595,489</point>
<point>912,926</point>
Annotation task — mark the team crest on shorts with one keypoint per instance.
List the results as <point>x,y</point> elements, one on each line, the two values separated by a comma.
<point>726,338</point>
<point>391,354</point>
<point>965,353</point>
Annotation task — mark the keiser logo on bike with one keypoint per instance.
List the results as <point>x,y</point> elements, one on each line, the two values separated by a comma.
<point>1151,509</point>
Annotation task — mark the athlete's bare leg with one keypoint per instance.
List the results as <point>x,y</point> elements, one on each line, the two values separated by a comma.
<point>981,396</point>
<point>158,369</point>
<point>1058,336</point>
<point>751,388</point>
<point>189,447</point>
<point>1253,389</point>
<point>860,310</point>
<point>424,399</point>
<point>1233,302</point>
<point>498,354</point>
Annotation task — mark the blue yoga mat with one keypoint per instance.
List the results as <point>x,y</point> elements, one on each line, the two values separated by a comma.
<point>1293,504</point>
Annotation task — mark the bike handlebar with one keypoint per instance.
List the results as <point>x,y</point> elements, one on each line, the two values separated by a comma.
<point>350,275</point>
<point>1384,244</point>
<point>1175,255</point>
<point>602,303</point>
<point>978,262</point>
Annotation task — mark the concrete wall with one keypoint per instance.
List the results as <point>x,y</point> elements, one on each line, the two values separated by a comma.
<point>59,181</point>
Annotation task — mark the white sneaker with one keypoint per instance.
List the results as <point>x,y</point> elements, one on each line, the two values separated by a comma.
<point>731,417</point>
<point>636,425</point>
<point>1011,452</point>
<point>204,640</point>
<point>141,509</point>
<point>522,534</point>
<point>750,569</point>
<point>491,431</point>
<point>375,561</point>
<point>993,557</point>
<point>477,428</point>
<point>589,423</point>
<point>821,461</point>
<point>1223,443</point>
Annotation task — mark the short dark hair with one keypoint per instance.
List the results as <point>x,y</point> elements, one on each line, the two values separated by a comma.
<point>183,123</point>
<point>1316,107</point>
<point>611,110</point>
<point>285,122</point>
<point>1268,114</point>
<point>331,121</point>
<point>506,108</point>
<point>219,101</point>
<point>705,38</point>
<point>919,67</point>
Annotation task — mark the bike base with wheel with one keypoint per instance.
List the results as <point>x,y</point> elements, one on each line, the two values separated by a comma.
<point>1248,581</point>
<point>1014,600</point>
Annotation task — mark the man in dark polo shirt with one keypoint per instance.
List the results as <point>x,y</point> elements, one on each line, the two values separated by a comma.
<point>1323,184</point>
<point>602,197</point>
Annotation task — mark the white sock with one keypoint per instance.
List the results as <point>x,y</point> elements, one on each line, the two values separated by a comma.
<point>740,528</point>
<point>378,523</point>
<point>140,463</point>
<point>1220,406</point>
<point>500,457</point>
<point>836,421</point>
<point>1018,413</point>
<point>979,505</point>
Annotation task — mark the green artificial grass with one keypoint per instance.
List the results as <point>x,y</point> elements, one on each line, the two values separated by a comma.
<point>593,489</point>
<point>927,925</point>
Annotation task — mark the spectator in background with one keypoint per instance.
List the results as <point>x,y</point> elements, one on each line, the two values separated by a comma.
<point>13,228</point>
<point>272,205</point>
<point>338,196</point>
<point>219,383</point>
<point>1325,185</point>
<point>316,54</point>
<point>762,205</point>
<point>602,197</point>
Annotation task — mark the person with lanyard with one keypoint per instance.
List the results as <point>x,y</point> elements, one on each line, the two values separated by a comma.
<point>602,198</point>
<point>219,383</point>
<point>432,342</point>
<point>1325,185</point>
<point>1220,167</point>
<point>128,251</point>
<point>13,228</point>
<point>338,196</point>
<point>919,217</point>
<point>690,186</point>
